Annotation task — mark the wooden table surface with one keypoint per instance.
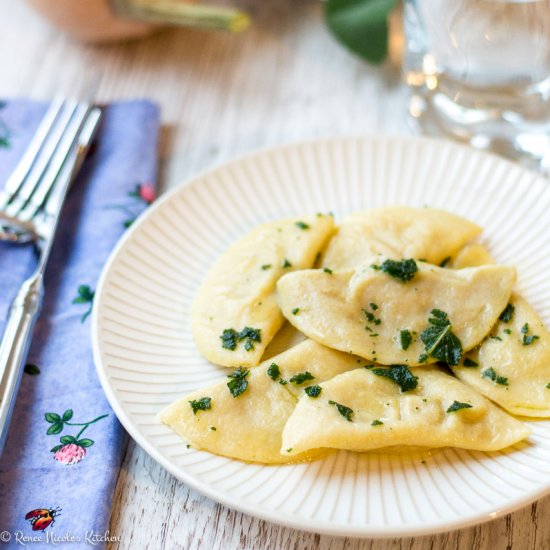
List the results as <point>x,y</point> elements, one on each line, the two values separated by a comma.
<point>221,96</point>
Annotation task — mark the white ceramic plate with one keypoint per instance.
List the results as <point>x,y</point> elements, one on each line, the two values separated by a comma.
<point>146,358</point>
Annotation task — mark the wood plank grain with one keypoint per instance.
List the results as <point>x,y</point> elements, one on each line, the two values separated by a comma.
<point>221,96</point>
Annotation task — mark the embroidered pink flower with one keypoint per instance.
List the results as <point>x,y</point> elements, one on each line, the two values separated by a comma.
<point>146,192</point>
<point>70,454</point>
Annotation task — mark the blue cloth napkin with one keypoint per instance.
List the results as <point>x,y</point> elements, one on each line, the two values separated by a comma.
<point>65,445</point>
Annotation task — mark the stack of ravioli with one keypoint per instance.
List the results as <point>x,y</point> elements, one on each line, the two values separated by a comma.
<point>391,330</point>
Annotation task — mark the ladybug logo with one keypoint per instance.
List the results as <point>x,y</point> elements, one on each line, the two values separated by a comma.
<point>41,518</point>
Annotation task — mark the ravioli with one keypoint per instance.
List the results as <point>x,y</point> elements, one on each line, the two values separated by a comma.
<point>249,426</point>
<point>368,312</point>
<point>361,411</point>
<point>398,232</point>
<point>235,314</point>
<point>512,366</point>
<point>472,255</point>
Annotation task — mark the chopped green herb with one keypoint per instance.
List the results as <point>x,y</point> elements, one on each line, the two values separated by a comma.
<point>439,340</point>
<point>373,306</point>
<point>422,260</point>
<point>283,382</point>
<point>302,377</point>
<point>313,391</point>
<point>491,374</point>
<point>528,339</point>
<point>404,270</point>
<point>376,423</point>
<point>506,315</point>
<point>371,318</point>
<point>230,337</point>
<point>457,405</point>
<point>400,374</point>
<point>496,338</point>
<point>507,331</point>
<point>188,446</point>
<point>346,412</point>
<point>405,338</point>
<point>302,225</point>
<point>202,404</point>
<point>548,385</point>
<point>373,335</point>
<point>285,263</point>
<point>469,363</point>
<point>327,270</point>
<point>289,450</point>
<point>295,311</point>
<point>274,371</point>
<point>445,261</point>
<point>213,428</point>
<point>237,381</point>
<point>265,267</point>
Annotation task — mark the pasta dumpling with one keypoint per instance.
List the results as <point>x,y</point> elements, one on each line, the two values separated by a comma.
<point>398,232</point>
<point>413,315</point>
<point>367,409</point>
<point>235,314</point>
<point>249,425</point>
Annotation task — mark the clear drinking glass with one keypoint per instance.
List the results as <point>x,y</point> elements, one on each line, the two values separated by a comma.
<point>479,71</point>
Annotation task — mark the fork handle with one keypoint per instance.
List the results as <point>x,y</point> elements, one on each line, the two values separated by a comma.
<point>15,346</point>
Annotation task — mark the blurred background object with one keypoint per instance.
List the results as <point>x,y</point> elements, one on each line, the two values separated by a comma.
<point>110,20</point>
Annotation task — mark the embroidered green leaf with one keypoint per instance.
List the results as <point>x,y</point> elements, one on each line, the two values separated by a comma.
<point>67,415</point>
<point>439,340</point>
<point>52,417</point>
<point>400,374</point>
<point>31,369</point>
<point>68,439</point>
<point>55,428</point>
<point>457,405</point>
<point>237,381</point>
<point>85,442</point>
<point>56,448</point>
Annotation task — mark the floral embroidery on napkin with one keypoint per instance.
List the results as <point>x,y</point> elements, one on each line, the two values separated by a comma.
<point>4,130</point>
<point>143,194</point>
<point>72,449</point>
<point>85,296</point>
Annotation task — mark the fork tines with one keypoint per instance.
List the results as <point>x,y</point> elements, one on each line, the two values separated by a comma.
<point>56,140</point>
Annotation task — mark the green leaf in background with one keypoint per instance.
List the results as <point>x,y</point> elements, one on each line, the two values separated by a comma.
<point>85,442</point>
<point>361,25</point>
<point>52,417</point>
<point>55,428</point>
<point>67,415</point>
<point>68,439</point>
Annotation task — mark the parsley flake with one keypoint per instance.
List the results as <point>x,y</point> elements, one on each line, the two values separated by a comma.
<point>445,262</point>
<point>371,318</point>
<point>237,381</point>
<point>202,404</point>
<point>376,423</point>
<point>528,339</point>
<point>496,338</point>
<point>405,338</point>
<point>373,306</point>
<point>302,377</point>
<point>506,315</point>
<point>439,340</point>
<point>274,371</point>
<point>491,374</point>
<point>265,267</point>
<point>548,385</point>
<point>230,338</point>
<point>327,270</point>
<point>302,225</point>
<point>404,270</point>
<point>400,374</point>
<point>346,412</point>
<point>313,391</point>
<point>295,311</point>
<point>285,263</point>
<point>469,363</point>
<point>457,405</point>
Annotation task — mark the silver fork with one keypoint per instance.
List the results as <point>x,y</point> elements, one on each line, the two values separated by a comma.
<point>30,205</point>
